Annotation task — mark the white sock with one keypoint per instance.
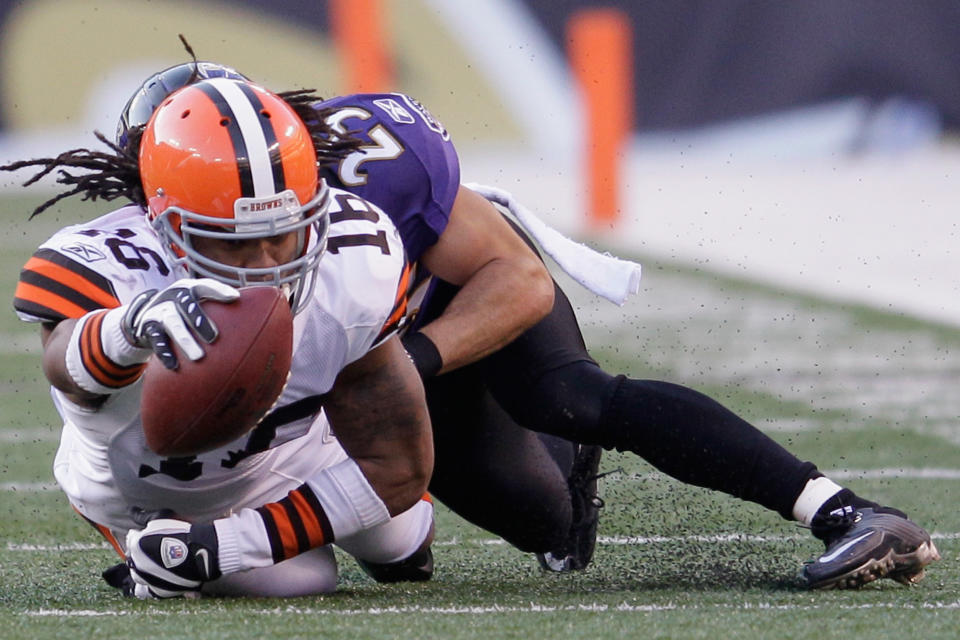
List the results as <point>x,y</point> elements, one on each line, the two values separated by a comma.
<point>814,494</point>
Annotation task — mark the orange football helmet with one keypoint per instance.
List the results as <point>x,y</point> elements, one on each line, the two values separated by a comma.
<point>226,159</point>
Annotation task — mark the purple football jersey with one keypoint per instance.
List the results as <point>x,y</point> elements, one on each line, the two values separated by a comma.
<point>408,166</point>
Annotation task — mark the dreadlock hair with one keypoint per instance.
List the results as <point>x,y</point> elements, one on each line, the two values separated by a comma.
<point>331,147</point>
<point>116,174</point>
<point>109,175</point>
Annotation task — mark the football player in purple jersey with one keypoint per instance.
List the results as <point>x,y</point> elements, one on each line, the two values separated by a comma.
<point>482,383</point>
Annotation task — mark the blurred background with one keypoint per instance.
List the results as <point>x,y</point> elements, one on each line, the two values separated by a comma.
<point>805,145</point>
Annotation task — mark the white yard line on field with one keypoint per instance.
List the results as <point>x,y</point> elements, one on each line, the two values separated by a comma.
<point>28,487</point>
<point>720,538</point>
<point>904,473</point>
<point>725,537</point>
<point>33,434</point>
<point>66,546</point>
<point>495,608</point>
<point>910,473</point>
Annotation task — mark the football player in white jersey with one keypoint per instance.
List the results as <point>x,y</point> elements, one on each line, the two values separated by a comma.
<point>546,381</point>
<point>229,196</point>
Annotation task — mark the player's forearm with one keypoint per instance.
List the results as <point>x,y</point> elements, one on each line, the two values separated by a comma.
<point>504,286</point>
<point>378,411</point>
<point>335,503</point>
<point>379,415</point>
<point>55,340</point>
<point>497,304</point>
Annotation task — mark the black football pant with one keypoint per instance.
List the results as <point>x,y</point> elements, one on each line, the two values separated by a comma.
<point>493,470</point>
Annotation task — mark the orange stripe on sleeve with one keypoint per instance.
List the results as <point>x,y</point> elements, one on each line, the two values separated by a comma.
<point>404,286</point>
<point>72,280</point>
<point>105,370</point>
<point>288,536</point>
<point>400,300</point>
<point>95,361</point>
<point>49,300</point>
<point>310,522</point>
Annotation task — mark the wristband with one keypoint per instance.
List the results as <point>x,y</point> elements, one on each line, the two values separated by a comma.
<point>98,358</point>
<point>424,354</point>
<point>336,502</point>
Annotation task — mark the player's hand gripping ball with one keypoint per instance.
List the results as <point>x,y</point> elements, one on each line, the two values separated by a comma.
<point>206,403</point>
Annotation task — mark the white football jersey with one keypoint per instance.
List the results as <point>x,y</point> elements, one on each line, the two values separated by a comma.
<point>103,463</point>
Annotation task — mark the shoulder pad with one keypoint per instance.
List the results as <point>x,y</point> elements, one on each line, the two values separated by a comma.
<point>407,166</point>
<point>97,265</point>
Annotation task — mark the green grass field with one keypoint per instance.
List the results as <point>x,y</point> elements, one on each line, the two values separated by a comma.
<point>870,397</point>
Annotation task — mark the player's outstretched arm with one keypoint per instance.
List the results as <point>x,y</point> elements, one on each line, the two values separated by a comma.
<point>104,351</point>
<point>55,339</point>
<point>505,286</point>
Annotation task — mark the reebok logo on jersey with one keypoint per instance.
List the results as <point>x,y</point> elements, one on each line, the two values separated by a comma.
<point>173,552</point>
<point>394,110</point>
<point>85,252</point>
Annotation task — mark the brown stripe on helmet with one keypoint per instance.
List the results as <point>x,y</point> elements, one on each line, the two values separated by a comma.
<point>229,121</point>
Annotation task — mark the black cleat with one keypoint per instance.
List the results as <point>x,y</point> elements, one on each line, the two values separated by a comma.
<point>868,544</point>
<point>416,568</point>
<point>577,551</point>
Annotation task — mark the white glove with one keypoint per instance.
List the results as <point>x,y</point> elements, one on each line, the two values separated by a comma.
<point>153,318</point>
<point>107,349</point>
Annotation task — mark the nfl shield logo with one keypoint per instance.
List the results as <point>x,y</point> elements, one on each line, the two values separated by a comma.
<point>173,552</point>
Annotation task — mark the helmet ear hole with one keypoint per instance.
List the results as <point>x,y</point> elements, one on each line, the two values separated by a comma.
<point>185,114</point>
<point>265,113</point>
<point>224,122</point>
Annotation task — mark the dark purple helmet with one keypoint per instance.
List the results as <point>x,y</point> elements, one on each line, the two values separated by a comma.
<point>154,89</point>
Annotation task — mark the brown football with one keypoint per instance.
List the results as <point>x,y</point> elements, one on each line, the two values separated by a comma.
<point>205,404</point>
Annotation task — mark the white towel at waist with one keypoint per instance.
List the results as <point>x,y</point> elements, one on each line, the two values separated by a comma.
<point>603,274</point>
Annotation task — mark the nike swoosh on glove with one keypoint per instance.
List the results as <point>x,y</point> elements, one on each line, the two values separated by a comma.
<point>172,558</point>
